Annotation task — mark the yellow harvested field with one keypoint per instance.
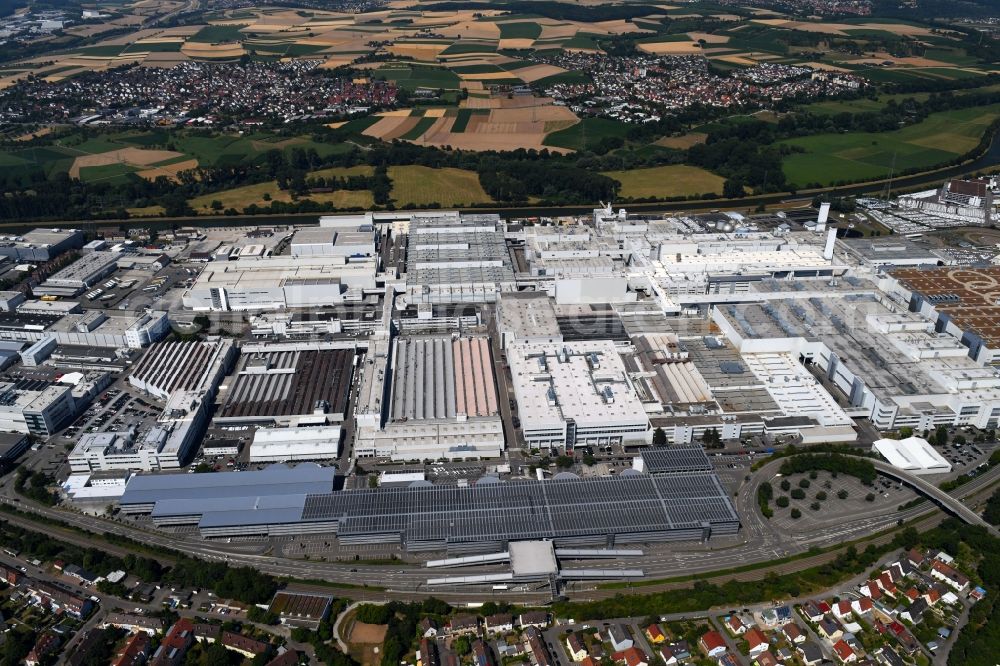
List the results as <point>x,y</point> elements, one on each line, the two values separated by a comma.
<point>137,157</point>
<point>164,59</point>
<point>671,48</point>
<point>616,27</point>
<point>196,50</point>
<point>384,126</point>
<point>831,28</point>
<point>504,102</point>
<point>472,30</point>
<point>516,43</point>
<point>682,142</point>
<point>739,59</point>
<point>240,197</point>
<point>337,125</point>
<point>435,113</point>
<point>726,17</point>
<point>536,72</point>
<point>824,66</point>
<point>170,170</point>
<point>559,31</point>
<point>532,114</point>
<point>34,135</point>
<point>161,40</point>
<point>424,52</point>
<point>335,61</point>
<point>402,113</point>
<point>708,37</point>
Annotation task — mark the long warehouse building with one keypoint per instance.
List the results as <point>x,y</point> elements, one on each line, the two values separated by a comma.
<point>484,517</point>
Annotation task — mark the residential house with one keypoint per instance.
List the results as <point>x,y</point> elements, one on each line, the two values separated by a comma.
<point>911,593</point>
<point>943,557</point>
<point>589,661</point>
<point>978,593</point>
<point>618,637</point>
<point>906,641</point>
<point>681,650</point>
<point>842,610</point>
<point>463,624</point>
<point>428,653</point>
<point>766,658</point>
<point>810,653</point>
<point>175,644</point>
<point>712,644</point>
<point>482,655</point>
<point>728,659</point>
<point>500,623</point>
<point>949,576</point>
<point>632,656</point>
<point>286,658</point>
<point>862,606</point>
<point>915,557</point>
<point>886,585</point>
<point>45,644</point>
<point>757,641</point>
<point>428,628</point>
<point>888,657</point>
<point>244,645</point>
<point>811,611</point>
<point>844,653</point>
<point>208,633</point>
<point>783,614</point>
<point>575,647</point>
<point>914,612</point>
<point>135,651</point>
<point>932,596</point>
<point>793,633</point>
<point>667,655</point>
<point>58,600</point>
<point>735,625</point>
<point>538,619</point>
<point>133,623</point>
<point>829,629</point>
<point>871,590</point>
<point>535,643</point>
<point>655,634</point>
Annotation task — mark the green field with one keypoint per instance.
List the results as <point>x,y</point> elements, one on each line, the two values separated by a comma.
<point>829,158</point>
<point>835,106</point>
<point>107,173</point>
<point>459,48</point>
<point>674,180</point>
<point>216,34</point>
<point>464,116</point>
<point>412,77</point>
<point>586,134</point>
<point>520,30</point>
<point>420,186</point>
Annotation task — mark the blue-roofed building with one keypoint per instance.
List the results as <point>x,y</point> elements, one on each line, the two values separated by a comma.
<point>187,494</point>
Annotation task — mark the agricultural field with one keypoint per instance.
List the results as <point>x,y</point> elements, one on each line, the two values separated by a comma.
<point>674,180</point>
<point>491,122</point>
<point>420,186</point>
<point>829,158</point>
<point>150,154</point>
<point>586,134</point>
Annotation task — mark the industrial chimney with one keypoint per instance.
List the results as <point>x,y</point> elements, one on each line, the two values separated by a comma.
<point>831,238</point>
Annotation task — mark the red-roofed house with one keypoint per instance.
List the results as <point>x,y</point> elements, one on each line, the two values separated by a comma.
<point>955,579</point>
<point>915,557</point>
<point>712,643</point>
<point>844,652</point>
<point>766,658</point>
<point>862,606</point>
<point>135,651</point>
<point>175,644</point>
<point>632,656</point>
<point>842,609</point>
<point>886,585</point>
<point>872,590</point>
<point>757,641</point>
<point>655,634</point>
<point>932,596</point>
<point>736,625</point>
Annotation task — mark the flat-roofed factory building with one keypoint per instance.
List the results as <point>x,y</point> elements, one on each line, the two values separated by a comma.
<point>483,517</point>
<point>443,402</point>
<point>575,393</point>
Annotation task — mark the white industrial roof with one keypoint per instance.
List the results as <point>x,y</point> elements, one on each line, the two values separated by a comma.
<point>913,454</point>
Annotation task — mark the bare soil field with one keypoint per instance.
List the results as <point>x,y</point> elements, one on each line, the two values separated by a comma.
<point>170,170</point>
<point>137,157</point>
<point>670,48</point>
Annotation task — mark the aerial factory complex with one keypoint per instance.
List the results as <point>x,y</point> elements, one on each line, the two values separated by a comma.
<point>506,405</point>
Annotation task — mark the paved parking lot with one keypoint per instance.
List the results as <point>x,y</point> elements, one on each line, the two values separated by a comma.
<point>888,496</point>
